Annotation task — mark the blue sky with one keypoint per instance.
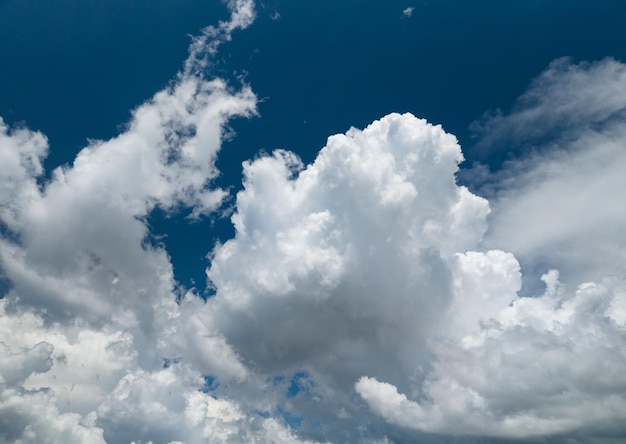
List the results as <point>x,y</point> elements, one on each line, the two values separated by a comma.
<point>360,288</point>
<point>333,64</point>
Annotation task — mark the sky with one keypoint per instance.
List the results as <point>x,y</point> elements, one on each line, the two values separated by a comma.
<point>312,222</point>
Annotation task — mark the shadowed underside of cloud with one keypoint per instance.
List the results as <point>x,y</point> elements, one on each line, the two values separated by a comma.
<point>364,297</point>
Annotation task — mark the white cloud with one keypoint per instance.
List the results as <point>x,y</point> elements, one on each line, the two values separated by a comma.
<point>32,415</point>
<point>93,389</point>
<point>550,364</point>
<point>20,160</point>
<point>204,46</point>
<point>95,305</point>
<point>567,98</point>
<point>561,206</point>
<point>165,406</point>
<point>350,265</point>
<point>361,235</point>
<point>80,248</point>
<point>546,365</point>
<point>565,209</point>
<point>408,11</point>
<point>81,235</point>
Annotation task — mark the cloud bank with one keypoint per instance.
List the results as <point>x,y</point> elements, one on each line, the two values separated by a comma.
<point>366,297</point>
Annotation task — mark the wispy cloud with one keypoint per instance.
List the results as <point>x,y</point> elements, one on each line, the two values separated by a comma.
<point>559,205</point>
<point>567,99</point>
<point>204,46</point>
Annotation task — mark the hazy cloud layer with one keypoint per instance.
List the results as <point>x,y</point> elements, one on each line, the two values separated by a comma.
<point>561,205</point>
<point>567,99</point>
<point>366,297</point>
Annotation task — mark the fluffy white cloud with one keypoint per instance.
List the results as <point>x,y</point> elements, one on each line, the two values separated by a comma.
<point>91,304</point>
<point>92,390</point>
<point>81,235</point>
<point>166,406</point>
<point>546,365</point>
<point>353,252</point>
<point>29,416</point>
<point>82,277</point>
<point>352,265</point>
<point>20,160</point>
<point>83,365</point>
<point>549,364</point>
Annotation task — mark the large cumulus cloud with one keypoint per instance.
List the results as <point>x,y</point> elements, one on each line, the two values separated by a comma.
<point>370,262</point>
<point>335,261</point>
<point>348,265</point>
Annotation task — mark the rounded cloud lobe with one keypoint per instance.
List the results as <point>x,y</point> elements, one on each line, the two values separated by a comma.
<point>351,253</point>
<point>356,302</point>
